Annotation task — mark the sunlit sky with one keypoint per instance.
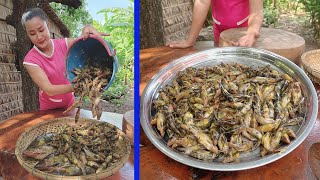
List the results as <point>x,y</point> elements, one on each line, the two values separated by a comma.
<point>93,6</point>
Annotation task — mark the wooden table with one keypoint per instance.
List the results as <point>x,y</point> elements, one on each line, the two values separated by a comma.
<point>156,165</point>
<point>11,129</point>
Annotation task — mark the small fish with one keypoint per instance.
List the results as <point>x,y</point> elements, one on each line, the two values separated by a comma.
<point>39,152</point>
<point>227,109</point>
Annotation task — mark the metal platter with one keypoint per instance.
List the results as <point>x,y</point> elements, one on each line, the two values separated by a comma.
<point>248,56</point>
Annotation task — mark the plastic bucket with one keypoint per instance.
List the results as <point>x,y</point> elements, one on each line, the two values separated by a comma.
<point>95,52</point>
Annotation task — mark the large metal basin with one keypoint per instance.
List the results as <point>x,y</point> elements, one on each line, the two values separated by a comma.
<point>248,56</point>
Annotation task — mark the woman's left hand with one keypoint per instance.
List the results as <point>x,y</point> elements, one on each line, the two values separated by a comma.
<point>247,40</point>
<point>88,29</point>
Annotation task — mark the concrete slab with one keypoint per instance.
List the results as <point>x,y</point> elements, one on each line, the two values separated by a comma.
<point>112,118</point>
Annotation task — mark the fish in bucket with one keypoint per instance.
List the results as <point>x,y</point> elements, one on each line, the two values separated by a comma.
<point>93,52</point>
<point>91,66</point>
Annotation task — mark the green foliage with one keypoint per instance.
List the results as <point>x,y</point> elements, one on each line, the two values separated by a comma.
<point>74,19</point>
<point>119,23</point>
<point>313,8</point>
<point>273,8</point>
<point>270,15</point>
<point>282,6</point>
<point>116,94</point>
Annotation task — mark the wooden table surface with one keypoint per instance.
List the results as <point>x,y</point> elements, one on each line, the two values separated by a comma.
<point>11,129</point>
<point>156,165</point>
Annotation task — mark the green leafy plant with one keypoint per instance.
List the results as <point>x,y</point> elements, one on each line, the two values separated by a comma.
<point>116,91</point>
<point>119,23</point>
<point>74,19</point>
<point>273,8</point>
<point>313,8</point>
<point>270,16</point>
<point>283,6</point>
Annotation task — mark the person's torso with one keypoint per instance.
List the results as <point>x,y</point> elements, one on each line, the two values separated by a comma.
<point>54,67</point>
<point>230,13</point>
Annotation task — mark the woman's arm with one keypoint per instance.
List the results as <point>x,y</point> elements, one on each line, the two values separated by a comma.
<point>41,79</point>
<point>70,41</point>
<point>199,15</point>
<point>254,24</point>
<point>255,17</point>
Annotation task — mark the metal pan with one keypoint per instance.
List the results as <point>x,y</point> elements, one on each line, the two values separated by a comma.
<point>243,55</point>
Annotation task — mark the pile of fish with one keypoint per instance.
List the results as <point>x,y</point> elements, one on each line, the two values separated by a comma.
<point>76,151</point>
<point>228,109</point>
<point>89,81</point>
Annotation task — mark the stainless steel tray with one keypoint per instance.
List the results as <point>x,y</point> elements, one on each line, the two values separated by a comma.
<point>243,55</point>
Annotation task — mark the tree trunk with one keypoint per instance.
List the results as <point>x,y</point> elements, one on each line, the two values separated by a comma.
<point>151,23</point>
<point>23,45</point>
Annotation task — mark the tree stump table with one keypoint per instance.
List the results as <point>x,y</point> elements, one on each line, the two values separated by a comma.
<point>128,125</point>
<point>284,43</point>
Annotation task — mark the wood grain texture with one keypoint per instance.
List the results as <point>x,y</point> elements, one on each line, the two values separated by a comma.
<point>284,43</point>
<point>151,24</point>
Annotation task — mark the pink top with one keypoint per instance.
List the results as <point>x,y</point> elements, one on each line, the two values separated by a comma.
<point>229,14</point>
<point>54,66</point>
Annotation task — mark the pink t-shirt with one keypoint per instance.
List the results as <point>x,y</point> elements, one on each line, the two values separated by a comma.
<point>55,68</point>
<point>229,14</point>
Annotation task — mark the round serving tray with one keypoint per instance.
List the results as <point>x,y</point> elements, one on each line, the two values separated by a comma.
<point>242,55</point>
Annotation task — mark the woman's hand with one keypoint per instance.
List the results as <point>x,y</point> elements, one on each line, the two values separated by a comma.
<point>88,29</point>
<point>247,40</point>
<point>180,44</point>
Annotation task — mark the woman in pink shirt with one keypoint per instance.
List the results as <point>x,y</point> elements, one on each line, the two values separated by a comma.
<point>45,62</point>
<point>226,14</point>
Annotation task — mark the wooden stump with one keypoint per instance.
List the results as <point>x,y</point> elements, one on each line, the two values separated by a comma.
<point>284,43</point>
<point>128,124</point>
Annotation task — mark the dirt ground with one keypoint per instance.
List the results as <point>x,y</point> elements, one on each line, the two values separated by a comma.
<point>298,23</point>
<point>294,23</point>
<point>126,103</point>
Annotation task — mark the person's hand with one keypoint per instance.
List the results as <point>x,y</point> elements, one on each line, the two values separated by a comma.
<point>180,44</point>
<point>247,40</point>
<point>71,87</point>
<point>88,29</point>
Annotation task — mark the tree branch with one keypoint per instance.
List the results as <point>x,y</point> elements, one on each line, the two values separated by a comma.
<point>9,20</point>
<point>70,3</point>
